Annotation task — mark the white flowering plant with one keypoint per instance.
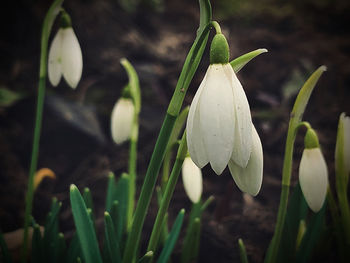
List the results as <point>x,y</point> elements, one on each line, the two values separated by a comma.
<point>219,131</point>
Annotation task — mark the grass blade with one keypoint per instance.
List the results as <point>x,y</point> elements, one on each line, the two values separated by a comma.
<point>37,245</point>
<point>242,251</point>
<point>6,257</point>
<point>111,240</point>
<point>85,229</point>
<point>171,241</point>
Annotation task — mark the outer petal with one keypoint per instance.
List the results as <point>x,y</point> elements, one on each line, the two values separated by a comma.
<point>72,59</point>
<point>249,179</point>
<point>192,180</point>
<point>193,132</point>
<point>122,118</point>
<point>55,59</point>
<point>217,118</point>
<point>243,120</point>
<point>313,177</point>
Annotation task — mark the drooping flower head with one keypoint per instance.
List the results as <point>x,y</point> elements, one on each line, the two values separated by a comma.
<point>192,180</point>
<point>65,57</point>
<point>219,124</point>
<point>313,173</point>
<point>122,118</point>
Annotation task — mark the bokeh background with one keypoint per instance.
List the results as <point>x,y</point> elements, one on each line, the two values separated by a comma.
<point>155,37</point>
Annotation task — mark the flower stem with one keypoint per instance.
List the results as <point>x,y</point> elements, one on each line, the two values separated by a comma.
<point>294,123</point>
<point>168,193</point>
<point>216,26</point>
<point>47,25</point>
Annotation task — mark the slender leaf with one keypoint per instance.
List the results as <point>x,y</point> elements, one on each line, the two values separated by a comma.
<point>205,14</point>
<point>171,241</point>
<point>111,240</point>
<point>111,191</point>
<point>238,63</point>
<point>242,251</point>
<point>74,250</point>
<point>311,237</point>
<point>191,249</point>
<point>37,245</point>
<point>85,228</point>
<point>62,249</point>
<point>88,198</point>
<point>6,257</point>
<point>147,258</point>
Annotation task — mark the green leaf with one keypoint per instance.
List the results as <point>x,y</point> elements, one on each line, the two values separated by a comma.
<point>205,14</point>
<point>111,240</point>
<point>85,228</point>
<point>6,257</point>
<point>62,249</point>
<point>9,97</point>
<point>242,251</point>
<point>311,237</point>
<point>37,245</point>
<point>238,63</point>
<point>297,211</point>
<point>147,258</point>
<point>191,248</point>
<point>171,241</point>
<point>88,199</point>
<point>50,239</point>
<point>111,191</point>
<point>74,250</point>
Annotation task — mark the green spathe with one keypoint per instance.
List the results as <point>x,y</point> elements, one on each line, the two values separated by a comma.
<point>219,50</point>
<point>311,139</point>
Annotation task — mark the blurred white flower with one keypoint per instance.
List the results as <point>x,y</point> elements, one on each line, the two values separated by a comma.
<point>313,178</point>
<point>192,180</point>
<point>122,120</point>
<point>65,58</point>
<point>219,125</point>
<point>249,179</point>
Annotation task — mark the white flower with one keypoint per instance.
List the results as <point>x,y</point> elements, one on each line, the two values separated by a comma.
<point>313,178</point>
<point>219,125</point>
<point>192,180</point>
<point>249,179</point>
<point>65,58</point>
<point>122,120</point>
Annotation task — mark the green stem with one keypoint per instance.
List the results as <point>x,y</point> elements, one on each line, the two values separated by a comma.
<point>147,188</point>
<point>216,26</point>
<point>47,25</point>
<point>132,170</point>
<point>168,193</point>
<point>294,123</point>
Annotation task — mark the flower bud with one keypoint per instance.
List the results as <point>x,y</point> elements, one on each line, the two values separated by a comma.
<point>192,180</point>
<point>122,120</point>
<point>313,173</point>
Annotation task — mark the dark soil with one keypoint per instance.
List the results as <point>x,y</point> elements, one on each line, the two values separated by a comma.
<point>300,36</point>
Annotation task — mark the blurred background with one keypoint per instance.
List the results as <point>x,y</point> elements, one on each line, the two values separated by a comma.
<point>155,36</point>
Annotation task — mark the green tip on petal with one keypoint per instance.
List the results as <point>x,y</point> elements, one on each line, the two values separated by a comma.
<point>219,50</point>
<point>311,139</point>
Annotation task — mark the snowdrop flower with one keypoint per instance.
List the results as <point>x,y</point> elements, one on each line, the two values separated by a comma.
<point>65,56</point>
<point>313,173</point>
<point>249,179</point>
<point>192,180</point>
<point>122,120</point>
<point>219,124</point>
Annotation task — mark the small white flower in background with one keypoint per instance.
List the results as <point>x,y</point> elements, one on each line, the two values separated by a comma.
<point>219,124</point>
<point>65,57</point>
<point>192,180</point>
<point>122,120</point>
<point>313,173</point>
<point>249,179</point>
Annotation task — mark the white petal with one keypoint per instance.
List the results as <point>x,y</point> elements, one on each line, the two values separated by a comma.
<point>313,178</point>
<point>217,118</point>
<point>243,121</point>
<point>346,123</point>
<point>122,119</point>
<point>192,180</point>
<point>72,59</point>
<point>249,179</point>
<point>55,59</point>
<point>193,132</point>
